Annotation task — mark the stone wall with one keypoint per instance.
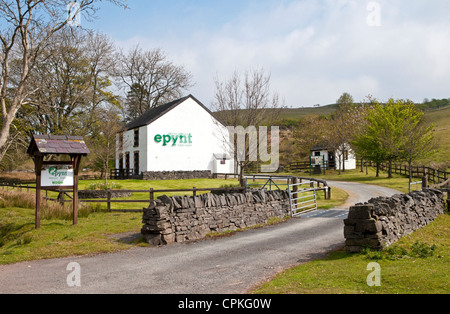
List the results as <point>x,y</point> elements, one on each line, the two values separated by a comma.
<point>176,175</point>
<point>384,220</point>
<point>179,219</point>
<point>88,194</point>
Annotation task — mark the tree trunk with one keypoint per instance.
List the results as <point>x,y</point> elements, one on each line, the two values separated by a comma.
<point>241,174</point>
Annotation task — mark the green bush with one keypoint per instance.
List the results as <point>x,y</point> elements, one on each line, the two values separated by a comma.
<point>103,186</point>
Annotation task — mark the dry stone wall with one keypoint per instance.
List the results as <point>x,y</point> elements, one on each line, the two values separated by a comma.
<point>184,218</point>
<point>384,220</point>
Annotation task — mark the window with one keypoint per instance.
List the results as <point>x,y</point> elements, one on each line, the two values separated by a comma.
<point>127,161</point>
<point>136,163</point>
<point>317,154</point>
<point>136,138</point>
<point>121,161</point>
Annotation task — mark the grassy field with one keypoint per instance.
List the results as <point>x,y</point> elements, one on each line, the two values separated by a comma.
<point>441,120</point>
<point>397,182</point>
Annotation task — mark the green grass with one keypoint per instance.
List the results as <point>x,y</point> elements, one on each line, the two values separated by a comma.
<point>423,267</point>
<point>20,241</point>
<point>397,182</point>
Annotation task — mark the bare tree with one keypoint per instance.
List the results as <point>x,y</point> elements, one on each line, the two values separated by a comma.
<point>104,144</point>
<point>249,103</point>
<point>25,31</point>
<point>150,79</point>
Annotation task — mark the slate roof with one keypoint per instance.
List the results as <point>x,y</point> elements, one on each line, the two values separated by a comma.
<point>157,112</point>
<point>319,147</point>
<point>57,144</point>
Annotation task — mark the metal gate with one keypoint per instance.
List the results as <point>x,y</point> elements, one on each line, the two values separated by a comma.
<point>302,197</point>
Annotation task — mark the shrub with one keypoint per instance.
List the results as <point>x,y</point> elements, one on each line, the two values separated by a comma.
<point>49,209</point>
<point>103,186</point>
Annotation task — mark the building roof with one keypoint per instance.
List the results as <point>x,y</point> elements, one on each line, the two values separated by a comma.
<point>57,144</point>
<point>157,112</point>
<point>319,147</point>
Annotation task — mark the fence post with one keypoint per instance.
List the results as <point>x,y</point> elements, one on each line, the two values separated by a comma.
<point>425,182</point>
<point>294,190</point>
<point>61,198</point>
<point>108,204</point>
<point>152,194</point>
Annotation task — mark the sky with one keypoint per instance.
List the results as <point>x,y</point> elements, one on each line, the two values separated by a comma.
<point>314,50</point>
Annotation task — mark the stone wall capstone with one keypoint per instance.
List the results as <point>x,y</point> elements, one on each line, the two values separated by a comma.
<point>382,221</point>
<point>186,218</point>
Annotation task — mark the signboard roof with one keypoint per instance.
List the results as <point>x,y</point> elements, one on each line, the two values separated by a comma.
<point>57,144</point>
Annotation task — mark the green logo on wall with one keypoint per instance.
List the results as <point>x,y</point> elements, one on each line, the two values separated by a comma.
<point>172,139</point>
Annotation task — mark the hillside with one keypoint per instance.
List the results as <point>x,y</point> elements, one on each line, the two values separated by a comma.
<point>440,118</point>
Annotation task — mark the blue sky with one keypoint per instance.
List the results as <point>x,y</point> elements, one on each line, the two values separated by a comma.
<point>314,49</point>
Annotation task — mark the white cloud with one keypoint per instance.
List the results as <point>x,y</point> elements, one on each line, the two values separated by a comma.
<point>316,50</point>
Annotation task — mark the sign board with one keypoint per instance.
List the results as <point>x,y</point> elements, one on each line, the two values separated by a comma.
<point>57,176</point>
<point>174,139</point>
<point>317,160</point>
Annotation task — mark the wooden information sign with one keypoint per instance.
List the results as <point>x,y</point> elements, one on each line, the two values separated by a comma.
<point>57,175</point>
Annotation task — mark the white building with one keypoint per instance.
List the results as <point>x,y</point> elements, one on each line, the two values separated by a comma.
<point>181,136</point>
<point>334,159</point>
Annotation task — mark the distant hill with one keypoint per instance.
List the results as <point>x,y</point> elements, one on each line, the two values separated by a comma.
<point>298,113</point>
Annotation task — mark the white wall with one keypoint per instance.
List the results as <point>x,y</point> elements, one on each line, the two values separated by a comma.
<point>207,135</point>
<point>349,164</point>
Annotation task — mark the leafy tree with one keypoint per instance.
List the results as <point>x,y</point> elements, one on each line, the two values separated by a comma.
<point>393,131</point>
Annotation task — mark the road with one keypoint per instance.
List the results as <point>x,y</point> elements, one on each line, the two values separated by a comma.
<point>229,265</point>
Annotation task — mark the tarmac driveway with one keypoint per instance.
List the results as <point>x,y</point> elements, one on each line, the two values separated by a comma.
<point>226,265</point>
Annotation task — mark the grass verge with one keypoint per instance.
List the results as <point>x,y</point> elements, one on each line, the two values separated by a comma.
<point>417,264</point>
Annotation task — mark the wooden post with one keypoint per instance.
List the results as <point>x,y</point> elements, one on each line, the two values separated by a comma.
<point>38,161</point>
<point>76,161</point>
<point>294,190</point>
<point>108,204</point>
<point>425,182</point>
<point>152,194</point>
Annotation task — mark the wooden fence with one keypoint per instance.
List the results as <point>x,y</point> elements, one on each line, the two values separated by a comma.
<point>435,176</point>
<point>109,200</point>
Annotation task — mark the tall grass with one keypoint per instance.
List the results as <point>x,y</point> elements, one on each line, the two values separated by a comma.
<point>49,210</point>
